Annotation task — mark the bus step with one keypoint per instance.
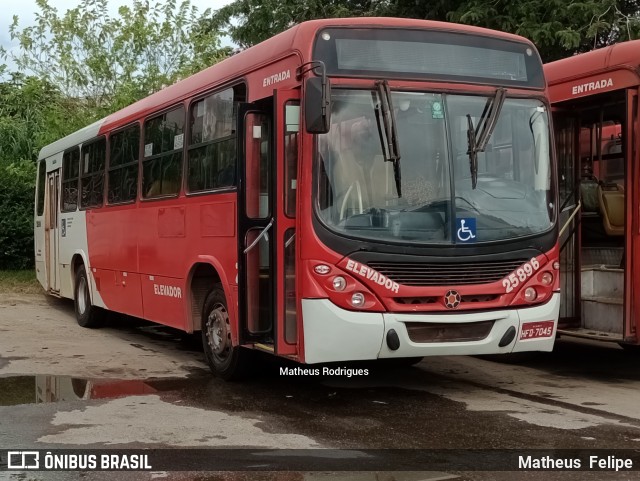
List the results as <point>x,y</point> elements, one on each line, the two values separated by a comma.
<point>604,314</point>
<point>264,347</point>
<point>602,282</point>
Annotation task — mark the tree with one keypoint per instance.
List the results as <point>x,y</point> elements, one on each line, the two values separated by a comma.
<point>109,62</point>
<point>248,22</point>
<point>16,214</point>
<point>558,28</point>
<point>73,69</point>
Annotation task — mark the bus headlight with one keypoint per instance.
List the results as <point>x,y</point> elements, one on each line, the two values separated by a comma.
<point>547,278</point>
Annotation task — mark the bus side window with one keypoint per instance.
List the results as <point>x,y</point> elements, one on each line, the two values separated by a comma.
<point>92,178</point>
<point>124,147</point>
<point>212,153</point>
<point>162,164</point>
<point>70,174</point>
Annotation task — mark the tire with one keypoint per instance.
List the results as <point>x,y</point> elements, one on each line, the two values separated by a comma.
<point>87,314</point>
<point>225,360</point>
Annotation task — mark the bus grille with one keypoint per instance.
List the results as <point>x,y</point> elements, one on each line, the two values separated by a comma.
<point>423,274</point>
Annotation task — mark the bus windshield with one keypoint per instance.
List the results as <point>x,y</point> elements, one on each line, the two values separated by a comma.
<point>438,203</point>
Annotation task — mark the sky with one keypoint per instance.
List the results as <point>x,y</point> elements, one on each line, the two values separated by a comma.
<point>25,10</point>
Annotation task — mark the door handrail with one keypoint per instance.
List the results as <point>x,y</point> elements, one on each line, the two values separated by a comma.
<point>260,236</point>
<point>573,214</point>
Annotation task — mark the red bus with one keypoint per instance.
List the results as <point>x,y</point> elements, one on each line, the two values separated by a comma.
<point>595,109</point>
<point>350,189</point>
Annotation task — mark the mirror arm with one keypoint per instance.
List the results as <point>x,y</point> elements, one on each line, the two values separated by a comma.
<point>319,69</point>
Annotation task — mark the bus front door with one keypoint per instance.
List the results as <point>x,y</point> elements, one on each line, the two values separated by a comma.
<point>287,130</point>
<point>52,247</point>
<point>267,199</point>
<point>632,240</point>
<point>566,126</point>
<point>256,225</point>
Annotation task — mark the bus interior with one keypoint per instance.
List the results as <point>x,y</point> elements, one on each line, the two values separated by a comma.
<point>593,181</point>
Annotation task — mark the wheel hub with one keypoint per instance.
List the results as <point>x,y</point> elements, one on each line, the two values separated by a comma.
<point>82,295</point>
<point>218,331</point>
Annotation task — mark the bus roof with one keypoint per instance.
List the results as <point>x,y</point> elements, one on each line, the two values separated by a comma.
<point>297,39</point>
<point>596,65</point>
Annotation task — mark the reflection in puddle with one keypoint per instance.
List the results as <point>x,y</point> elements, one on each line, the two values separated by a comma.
<point>46,389</point>
<point>57,388</point>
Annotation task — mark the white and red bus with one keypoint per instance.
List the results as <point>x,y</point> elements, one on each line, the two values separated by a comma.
<point>595,103</point>
<point>350,189</point>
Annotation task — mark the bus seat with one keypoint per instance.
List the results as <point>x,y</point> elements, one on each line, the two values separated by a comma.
<point>611,200</point>
<point>589,195</point>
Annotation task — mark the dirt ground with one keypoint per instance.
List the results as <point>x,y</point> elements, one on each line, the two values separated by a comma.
<point>39,335</point>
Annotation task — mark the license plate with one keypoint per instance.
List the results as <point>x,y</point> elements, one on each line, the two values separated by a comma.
<point>532,330</point>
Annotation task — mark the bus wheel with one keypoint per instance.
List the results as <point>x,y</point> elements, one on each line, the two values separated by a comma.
<point>87,314</point>
<point>225,360</point>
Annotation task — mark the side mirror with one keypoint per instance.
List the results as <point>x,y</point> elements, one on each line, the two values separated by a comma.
<point>317,105</point>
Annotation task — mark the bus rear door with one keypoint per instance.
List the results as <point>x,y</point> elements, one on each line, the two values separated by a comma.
<point>52,234</point>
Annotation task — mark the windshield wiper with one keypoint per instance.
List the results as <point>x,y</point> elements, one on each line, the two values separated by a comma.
<point>478,137</point>
<point>386,119</point>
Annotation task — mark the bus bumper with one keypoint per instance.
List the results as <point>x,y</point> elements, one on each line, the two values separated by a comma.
<point>334,334</point>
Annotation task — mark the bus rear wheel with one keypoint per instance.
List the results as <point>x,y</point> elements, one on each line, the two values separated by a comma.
<point>87,314</point>
<point>225,360</point>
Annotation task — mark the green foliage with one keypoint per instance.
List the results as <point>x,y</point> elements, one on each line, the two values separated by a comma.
<point>27,106</point>
<point>16,214</point>
<point>557,27</point>
<point>73,69</point>
<point>249,22</point>
<point>109,62</point>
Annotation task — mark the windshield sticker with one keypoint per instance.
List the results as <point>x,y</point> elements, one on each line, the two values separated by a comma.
<point>466,229</point>
<point>520,275</point>
<point>436,111</point>
<point>372,275</point>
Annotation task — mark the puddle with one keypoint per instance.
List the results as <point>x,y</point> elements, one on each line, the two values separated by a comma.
<point>48,389</point>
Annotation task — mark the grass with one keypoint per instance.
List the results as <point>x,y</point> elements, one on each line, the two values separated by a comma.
<point>23,282</point>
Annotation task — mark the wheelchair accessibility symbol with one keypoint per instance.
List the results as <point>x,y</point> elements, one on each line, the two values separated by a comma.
<point>466,229</point>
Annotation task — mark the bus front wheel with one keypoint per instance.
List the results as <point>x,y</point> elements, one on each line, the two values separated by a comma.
<point>87,314</point>
<point>225,360</point>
